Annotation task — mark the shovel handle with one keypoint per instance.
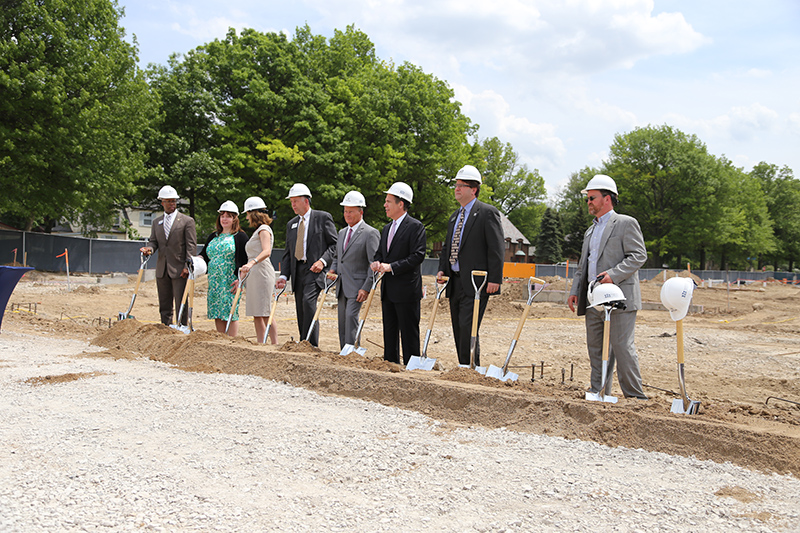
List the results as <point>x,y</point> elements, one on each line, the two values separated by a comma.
<point>679,336</point>
<point>606,339</point>
<point>368,303</point>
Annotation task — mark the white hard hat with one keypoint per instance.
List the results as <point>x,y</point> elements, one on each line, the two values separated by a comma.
<point>676,295</point>
<point>253,203</point>
<point>604,293</point>
<point>200,266</point>
<point>168,193</point>
<point>298,189</point>
<point>401,190</point>
<point>354,199</point>
<point>601,182</point>
<point>228,207</point>
<point>469,173</point>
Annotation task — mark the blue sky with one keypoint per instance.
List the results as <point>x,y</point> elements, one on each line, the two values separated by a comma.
<point>556,79</point>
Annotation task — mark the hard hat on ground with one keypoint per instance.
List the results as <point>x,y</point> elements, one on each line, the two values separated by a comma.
<point>676,295</point>
<point>168,193</point>
<point>604,293</point>
<point>601,182</point>
<point>468,173</point>
<point>354,199</point>
<point>253,203</point>
<point>401,190</point>
<point>200,266</point>
<point>298,189</point>
<point>228,207</point>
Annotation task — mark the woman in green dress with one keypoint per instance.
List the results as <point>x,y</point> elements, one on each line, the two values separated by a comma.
<point>225,254</point>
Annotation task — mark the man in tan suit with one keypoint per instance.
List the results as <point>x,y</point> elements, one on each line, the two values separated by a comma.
<point>175,236</point>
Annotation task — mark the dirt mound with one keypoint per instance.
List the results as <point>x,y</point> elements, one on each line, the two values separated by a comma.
<point>724,431</point>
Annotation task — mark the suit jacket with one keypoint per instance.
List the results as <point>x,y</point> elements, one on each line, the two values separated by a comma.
<point>174,252</point>
<point>404,282</point>
<point>320,244</point>
<point>352,264</point>
<point>622,254</point>
<point>482,246</point>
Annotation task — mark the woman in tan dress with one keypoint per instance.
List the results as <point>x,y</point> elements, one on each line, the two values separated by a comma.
<point>261,281</point>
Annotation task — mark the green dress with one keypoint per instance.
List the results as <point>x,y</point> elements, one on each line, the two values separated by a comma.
<point>221,252</point>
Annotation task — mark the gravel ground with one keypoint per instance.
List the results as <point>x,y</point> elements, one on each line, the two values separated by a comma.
<point>137,445</point>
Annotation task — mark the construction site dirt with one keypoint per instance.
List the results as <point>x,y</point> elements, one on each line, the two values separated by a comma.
<point>742,362</point>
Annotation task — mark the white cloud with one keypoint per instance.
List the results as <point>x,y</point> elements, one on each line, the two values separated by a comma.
<point>740,123</point>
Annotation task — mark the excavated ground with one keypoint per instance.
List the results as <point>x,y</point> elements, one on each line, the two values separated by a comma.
<point>741,351</point>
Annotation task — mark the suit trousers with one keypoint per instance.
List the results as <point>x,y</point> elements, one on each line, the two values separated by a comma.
<point>349,308</point>
<point>461,309</point>
<point>622,351</point>
<point>400,319</point>
<point>170,290</point>
<point>306,294</point>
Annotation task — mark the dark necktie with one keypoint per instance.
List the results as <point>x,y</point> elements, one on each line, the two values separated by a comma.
<point>457,238</point>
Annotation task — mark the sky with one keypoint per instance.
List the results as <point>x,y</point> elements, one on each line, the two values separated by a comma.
<point>556,79</point>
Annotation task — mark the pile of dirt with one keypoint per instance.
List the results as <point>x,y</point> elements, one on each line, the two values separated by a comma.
<point>463,396</point>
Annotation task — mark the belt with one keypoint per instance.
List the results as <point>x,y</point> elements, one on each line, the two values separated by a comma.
<point>455,273</point>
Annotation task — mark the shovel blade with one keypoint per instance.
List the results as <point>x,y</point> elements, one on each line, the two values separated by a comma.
<point>123,316</point>
<point>479,369</point>
<point>418,363</point>
<point>600,397</point>
<point>361,351</point>
<point>677,407</point>
<point>347,349</point>
<point>183,329</point>
<point>497,373</point>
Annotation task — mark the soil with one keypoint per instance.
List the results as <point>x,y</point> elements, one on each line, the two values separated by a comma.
<point>742,363</point>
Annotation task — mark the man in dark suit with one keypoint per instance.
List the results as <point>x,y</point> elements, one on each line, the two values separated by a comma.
<point>474,242</point>
<point>400,254</point>
<point>355,249</point>
<point>310,245</point>
<point>174,235</point>
<point>613,252</point>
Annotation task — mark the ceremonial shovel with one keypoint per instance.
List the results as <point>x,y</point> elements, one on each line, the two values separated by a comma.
<point>422,362</point>
<point>356,347</point>
<point>127,314</point>
<point>502,373</point>
<point>236,298</point>
<point>683,406</point>
<point>272,313</point>
<point>473,340</point>
<point>328,284</point>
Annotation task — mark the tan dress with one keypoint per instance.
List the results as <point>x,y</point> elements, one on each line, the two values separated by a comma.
<point>261,281</point>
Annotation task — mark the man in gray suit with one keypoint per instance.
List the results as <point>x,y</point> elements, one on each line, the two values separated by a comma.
<point>355,249</point>
<point>174,235</point>
<point>310,245</point>
<point>613,252</point>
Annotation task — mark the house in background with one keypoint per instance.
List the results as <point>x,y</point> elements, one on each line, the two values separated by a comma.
<point>140,220</point>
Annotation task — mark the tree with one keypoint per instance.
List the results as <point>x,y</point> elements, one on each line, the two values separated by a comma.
<point>73,108</point>
<point>575,217</point>
<point>516,191</point>
<point>548,243</point>
<point>782,193</point>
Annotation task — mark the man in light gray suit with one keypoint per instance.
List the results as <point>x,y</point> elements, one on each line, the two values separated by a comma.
<point>355,249</point>
<point>174,236</point>
<point>613,252</point>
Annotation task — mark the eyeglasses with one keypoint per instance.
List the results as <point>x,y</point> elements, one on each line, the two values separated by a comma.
<point>592,198</point>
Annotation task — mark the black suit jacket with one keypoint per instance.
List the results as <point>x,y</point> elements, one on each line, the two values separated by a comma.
<point>482,247</point>
<point>320,244</point>
<point>404,282</point>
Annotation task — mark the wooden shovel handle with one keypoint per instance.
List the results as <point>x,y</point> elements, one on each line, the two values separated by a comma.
<point>138,281</point>
<point>606,338</point>
<point>679,335</point>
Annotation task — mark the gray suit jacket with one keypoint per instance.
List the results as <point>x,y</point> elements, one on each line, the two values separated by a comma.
<point>174,252</point>
<point>622,254</point>
<point>352,264</point>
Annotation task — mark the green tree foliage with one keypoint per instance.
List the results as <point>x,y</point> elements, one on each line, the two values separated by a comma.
<point>517,192</point>
<point>72,111</point>
<point>548,243</point>
<point>575,217</point>
<point>782,191</point>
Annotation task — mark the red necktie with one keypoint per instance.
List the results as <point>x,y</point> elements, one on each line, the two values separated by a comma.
<point>347,240</point>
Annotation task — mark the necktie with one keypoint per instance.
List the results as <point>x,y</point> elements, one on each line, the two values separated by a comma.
<point>457,238</point>
<point>299,252</point>
<point>347,240</point>
<point>167,226</point>
<point>391,235</point>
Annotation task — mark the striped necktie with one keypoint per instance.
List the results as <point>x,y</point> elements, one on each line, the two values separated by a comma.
<point>457,238</point>
<point>167,226</point>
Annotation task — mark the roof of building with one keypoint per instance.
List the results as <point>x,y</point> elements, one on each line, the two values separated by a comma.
<point>510,232</point>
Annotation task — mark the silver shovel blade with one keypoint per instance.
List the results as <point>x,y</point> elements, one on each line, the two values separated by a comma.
<point>346,349</point>
<point>183,329</point>
<point>677,407</point>
<point>600,397</point>
<point>497,373</point>
<point>122,316</point>
<point>479,369</point>
<point>361,351</point>
<point>418,363</point>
